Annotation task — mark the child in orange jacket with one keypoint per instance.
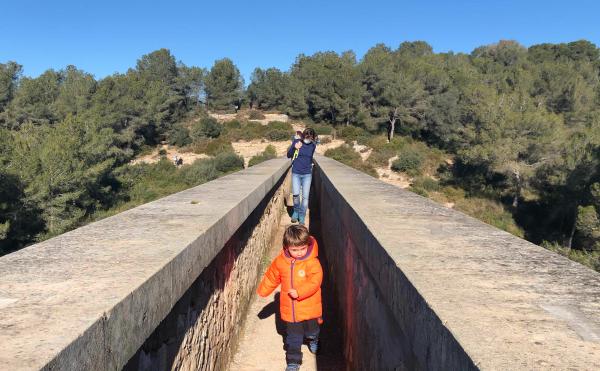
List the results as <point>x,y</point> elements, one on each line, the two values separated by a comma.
<point>299,272</point>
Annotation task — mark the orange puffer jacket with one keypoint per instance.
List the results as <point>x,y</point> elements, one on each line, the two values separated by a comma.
<point>303,274</point>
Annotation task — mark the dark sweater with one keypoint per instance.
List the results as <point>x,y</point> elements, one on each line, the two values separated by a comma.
<point>303,163</point>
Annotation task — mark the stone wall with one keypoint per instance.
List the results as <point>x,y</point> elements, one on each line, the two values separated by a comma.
<point>203,327</point>
<point>91,298</point>
<point>423,287</point>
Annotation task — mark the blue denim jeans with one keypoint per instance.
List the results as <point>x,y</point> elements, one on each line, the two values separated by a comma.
<point>301,187</point>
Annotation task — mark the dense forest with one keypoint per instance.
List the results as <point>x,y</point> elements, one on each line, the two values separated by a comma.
<point>66,140</point>
<point>521,125</point>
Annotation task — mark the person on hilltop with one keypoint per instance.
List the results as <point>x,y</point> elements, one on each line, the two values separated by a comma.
<point>298,271</point>
<point>301,152</point>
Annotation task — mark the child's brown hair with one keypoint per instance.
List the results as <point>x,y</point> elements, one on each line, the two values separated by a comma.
<point>295,235</point>
<point>309,133</point>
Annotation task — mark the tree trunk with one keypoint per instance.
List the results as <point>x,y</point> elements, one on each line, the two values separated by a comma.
<point>515,202</point>
<point>573,227</point>
<point>392,126</point>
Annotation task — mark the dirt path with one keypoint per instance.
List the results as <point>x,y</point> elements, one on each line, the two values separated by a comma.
<point>188,157</point>
<point>363,150</point>
<point>389,176</point>
<point>321,148</point>
<point>222,117</point>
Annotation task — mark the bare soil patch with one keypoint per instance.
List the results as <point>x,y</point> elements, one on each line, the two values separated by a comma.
<point>188,157</point>
<point>389,176</point>
<point>244,115</point>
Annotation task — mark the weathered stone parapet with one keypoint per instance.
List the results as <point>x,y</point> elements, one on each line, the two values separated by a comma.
<point>202,329</point>
<point>421,286</point>
<point>90,298</point>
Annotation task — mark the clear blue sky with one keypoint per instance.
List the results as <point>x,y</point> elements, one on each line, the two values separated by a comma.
<point>104,37</point>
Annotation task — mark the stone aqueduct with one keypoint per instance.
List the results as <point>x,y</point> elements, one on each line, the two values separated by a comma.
<point>416,286</point>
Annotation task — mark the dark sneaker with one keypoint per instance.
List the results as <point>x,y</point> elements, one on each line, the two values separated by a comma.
<point>294,217</point>
<point>292,367</point>
<point>313,346</point>
<point>294,220</point>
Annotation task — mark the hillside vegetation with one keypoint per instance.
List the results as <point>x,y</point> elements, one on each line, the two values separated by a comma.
<point>506,133</point>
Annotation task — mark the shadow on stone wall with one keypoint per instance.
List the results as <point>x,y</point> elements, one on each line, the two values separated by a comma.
<point>330,356</point>
<point>361,326</point>
<point>204,325</point>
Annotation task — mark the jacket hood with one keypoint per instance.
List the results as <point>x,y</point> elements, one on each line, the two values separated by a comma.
<point>312,252</point>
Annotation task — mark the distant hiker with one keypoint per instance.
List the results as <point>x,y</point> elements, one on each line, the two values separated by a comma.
<point>301,152</point>
<point>180,161</point>
<point>298,271</point>
<point>175,160</point>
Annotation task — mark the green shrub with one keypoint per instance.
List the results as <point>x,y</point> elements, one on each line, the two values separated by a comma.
<point>278,135</point>
<point>204,170</point>
<point>146,149</point>
<point>253,130</point>
<point>588,228</point>
<point>278,131</point>
<point>398,142</point>
<point>179,136</point>
<point>143,182</point>
<point>589,259</point>
<point>344,154</point>
<point>382,151</point>
<point>409,161</point>
<point>274,130</point>
<point>256,115</point>
<point>233,124</point>
<point>380,159</point>
<point>426,183</point>
<point>454,193</point>
<point>378,143</point>
<point>199,146</point>
<point>280,125</point>
<point>217,146</point>
<point>233,135</point>
<point>206,127</point>
<point>228,162</point>
<point>491,212</point>
<point>200,171</point>
<point>347,155</point>
<point>353,133</point>
<point>322,129</point>
<point>212,146</point>
<point>162,152</point>
<point>269,153</point>
<point>418,190</point>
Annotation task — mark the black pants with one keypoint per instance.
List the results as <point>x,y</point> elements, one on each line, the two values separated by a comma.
<point>295,334</point>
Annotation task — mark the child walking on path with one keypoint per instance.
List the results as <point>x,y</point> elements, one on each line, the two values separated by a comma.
<point>299,272</point>
<point>301,152</point>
